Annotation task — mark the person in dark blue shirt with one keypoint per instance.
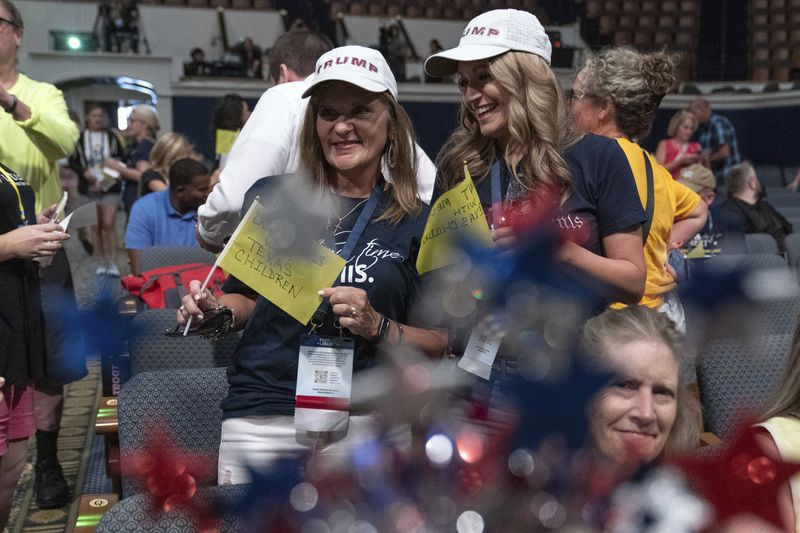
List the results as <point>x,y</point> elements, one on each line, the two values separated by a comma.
<point>513,125</point>
<point>168,217</point>
<point>352,123</point>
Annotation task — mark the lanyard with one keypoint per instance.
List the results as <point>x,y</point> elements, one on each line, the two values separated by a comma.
<point>497,197</point>
<point>13,184</point>
<point>349,246</point>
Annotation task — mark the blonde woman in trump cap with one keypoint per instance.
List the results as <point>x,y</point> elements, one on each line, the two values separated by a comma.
<point>353,123</point>
<point>513,131</point>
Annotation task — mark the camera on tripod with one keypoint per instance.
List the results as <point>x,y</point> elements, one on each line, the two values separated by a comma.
<point>118,26</point>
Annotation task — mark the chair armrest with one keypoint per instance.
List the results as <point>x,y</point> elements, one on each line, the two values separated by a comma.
<point>129,305</point>
<point>709,439</point>
<point>91,509</point>
<point>106,420</point>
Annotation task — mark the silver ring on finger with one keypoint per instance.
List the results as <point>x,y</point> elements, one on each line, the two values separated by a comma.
<point>183,308</point>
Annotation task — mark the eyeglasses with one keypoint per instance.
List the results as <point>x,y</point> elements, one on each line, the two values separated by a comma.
<point>357,113</point>
<point>11,23</point>
<point>573,95</point>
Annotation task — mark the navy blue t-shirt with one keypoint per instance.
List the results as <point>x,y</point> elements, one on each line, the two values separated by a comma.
<point>263,376</point>
<point>604,195</point>
<point>139,151</point>
<point>604,199</point>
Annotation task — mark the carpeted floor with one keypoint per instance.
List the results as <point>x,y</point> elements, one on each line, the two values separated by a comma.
<point>77,432</point>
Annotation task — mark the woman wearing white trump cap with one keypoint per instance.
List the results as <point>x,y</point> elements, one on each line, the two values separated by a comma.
<point>513,132</point>
<point>352,124</point>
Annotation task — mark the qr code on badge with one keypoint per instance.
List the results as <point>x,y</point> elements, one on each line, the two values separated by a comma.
<point>320,376</point>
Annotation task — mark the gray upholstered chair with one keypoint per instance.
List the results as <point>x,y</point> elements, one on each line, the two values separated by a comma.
<point>792,243</point>
<point>180,407</point>
<point>736,377</point>
<point>151,349</point>
<point>161,256</point>
<point>137,513</point>
<point>751,262</point>
<point>760,243</point>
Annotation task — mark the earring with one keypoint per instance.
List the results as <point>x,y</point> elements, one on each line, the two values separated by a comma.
<point>391,154</point>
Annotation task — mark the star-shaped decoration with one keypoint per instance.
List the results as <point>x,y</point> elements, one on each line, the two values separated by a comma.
<point>742,479</point>
<point>170,476</point>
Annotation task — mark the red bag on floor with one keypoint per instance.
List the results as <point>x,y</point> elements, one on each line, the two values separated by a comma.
<point>165,286</point>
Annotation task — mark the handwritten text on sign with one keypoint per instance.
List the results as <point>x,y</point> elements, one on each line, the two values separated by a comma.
<point>288,277</point>
<point>457,215</point>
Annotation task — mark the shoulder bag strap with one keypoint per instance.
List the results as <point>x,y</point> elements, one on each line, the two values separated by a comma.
<point>650,198</point>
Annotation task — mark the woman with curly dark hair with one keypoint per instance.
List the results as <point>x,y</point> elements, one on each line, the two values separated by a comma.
<point>616,95</point>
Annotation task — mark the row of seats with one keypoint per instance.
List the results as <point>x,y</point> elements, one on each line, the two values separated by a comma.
<point>435,9</point>
<point>234,4</point>
<point>774,34</point>
<point>774,5</point>
<point>650,26</point>
<point>595,7</point>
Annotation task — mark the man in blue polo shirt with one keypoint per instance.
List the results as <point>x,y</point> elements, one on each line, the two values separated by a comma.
<point>168,217</point>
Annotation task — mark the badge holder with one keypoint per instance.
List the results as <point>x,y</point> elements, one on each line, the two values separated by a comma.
<point>482,347</point>
<point>324,380</point>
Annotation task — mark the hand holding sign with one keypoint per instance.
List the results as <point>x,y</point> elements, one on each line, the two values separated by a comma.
<point>457,215</point>
<point>288,277</point>
<point>352,306</point>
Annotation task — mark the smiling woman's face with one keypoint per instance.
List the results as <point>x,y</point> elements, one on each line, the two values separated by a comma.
<point>631,419</point>
<point>353,127</point>
<point>485,99</point>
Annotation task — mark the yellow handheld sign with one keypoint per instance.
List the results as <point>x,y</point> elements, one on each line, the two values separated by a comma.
<point>456,215</point>
<point>288,277</point>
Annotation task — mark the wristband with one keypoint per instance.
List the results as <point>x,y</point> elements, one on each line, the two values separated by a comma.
<point>10,109</point>
<point>383,331</point>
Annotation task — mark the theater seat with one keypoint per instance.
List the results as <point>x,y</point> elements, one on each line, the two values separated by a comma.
<point>760,243</point>
<point>152,350</point>
<point>137,513</point>
<point>159,256</point>
<point>180,407</point>
<point>735,378</point>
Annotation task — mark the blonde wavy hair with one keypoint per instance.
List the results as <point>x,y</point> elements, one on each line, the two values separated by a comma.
<point>616,327</point>
<point>149,116</point>
<point>537,115</point>
<point>403,174</point>
<point>169,148</point>
<point>677,119</point>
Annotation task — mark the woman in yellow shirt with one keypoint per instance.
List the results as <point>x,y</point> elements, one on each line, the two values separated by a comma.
<point>615,95</point>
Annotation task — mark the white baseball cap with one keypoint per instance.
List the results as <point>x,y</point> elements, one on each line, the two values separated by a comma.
<point>361,66</point>
<point>491,34</point>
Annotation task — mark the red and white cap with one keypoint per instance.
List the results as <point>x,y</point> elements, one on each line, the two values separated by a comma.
<point>361,66</point>
<point>491,34</point>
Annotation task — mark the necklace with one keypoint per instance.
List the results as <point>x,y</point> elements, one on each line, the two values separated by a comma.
<point>338,226</point>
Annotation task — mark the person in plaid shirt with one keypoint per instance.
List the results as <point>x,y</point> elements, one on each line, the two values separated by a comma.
<point>717,137</point>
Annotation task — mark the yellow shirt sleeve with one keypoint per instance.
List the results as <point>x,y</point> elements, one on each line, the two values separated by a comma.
<point>49,128</point>
<point>686,200</point>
